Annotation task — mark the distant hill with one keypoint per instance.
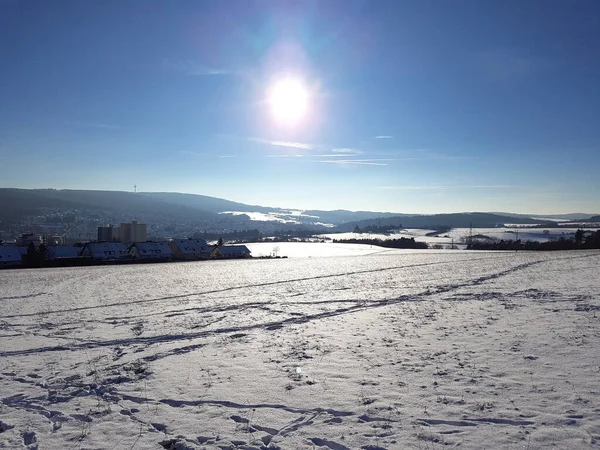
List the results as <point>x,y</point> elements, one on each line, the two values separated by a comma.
<point>595,219</point>
<point>434,221</point>
<point>569,216</point>
<point>15,204</point>
<point>204,202</point>
<point>18,203</point>
<point>217,205</point>
<point>340,216</point>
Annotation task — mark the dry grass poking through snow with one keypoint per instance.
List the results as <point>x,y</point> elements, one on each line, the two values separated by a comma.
<point>421,350</point>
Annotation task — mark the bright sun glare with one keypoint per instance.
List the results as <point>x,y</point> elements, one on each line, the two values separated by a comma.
<point>289,101</point>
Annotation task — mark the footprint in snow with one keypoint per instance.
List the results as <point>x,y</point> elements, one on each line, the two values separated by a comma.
<point>330,444</point>
<point>159,426</point>
<point>5,427</point>
<point>29,438</point>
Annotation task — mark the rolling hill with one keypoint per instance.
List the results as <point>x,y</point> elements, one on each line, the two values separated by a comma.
<point>16,204</point>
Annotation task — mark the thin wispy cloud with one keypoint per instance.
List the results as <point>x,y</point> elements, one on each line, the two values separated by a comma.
<point>347,151</point>
<point>354,162</point>
<point>299,145</point>
<point>334,155</point>
<point>448,187</point>
<point>432,157</point>
<point>424,154</point>
<point>189,67</point>
<point>190,153</point>
<point>292,144</point>
<point>383,136</point>
<point>330,155</point>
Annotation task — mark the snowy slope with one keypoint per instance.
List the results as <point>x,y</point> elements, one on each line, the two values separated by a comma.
<point>382,351</point>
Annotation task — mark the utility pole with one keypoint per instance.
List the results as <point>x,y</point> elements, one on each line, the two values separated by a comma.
<point>470,233</point>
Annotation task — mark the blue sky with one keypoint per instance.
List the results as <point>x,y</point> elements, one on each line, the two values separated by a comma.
<point>414,106</point>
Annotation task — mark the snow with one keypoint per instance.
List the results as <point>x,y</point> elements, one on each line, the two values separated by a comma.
<point>405,233</point>
<point>283,216</point>
<point>512,233</point>
<point>311,249</point>
<point>261,217</point>
<point>459,236</point>
<point>389,350</point>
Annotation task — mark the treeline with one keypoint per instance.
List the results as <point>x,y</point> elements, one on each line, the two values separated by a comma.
<point>581,241</point>
<point>35,256</point>
<point>388,243</point>
<point>255,236</point>
<point>377,228</point>
<point>297,233</point>
<point>233,235</point>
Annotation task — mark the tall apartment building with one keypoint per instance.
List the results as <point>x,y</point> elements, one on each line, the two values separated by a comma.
<point>126,233</point>
<point>108,234</point>
<point>133,232</point>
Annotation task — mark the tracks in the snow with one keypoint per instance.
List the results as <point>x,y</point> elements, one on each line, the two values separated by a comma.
<point>355,306</point>
<point>234,288</point>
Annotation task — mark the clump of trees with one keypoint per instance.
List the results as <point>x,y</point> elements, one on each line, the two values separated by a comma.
<point>381,229</point>
<point>234,235</point>
<point>387,243</point>
<point>581,241</point>
<point>35,257</point>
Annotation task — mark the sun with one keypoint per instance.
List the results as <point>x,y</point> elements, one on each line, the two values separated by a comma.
<point>289,100</point>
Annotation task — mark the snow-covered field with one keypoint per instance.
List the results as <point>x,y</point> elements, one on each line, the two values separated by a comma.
<point>461,235</point>
<point>312,249</point>
<point>393,350</point>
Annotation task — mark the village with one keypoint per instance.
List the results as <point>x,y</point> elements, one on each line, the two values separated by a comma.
<point>124,244</point>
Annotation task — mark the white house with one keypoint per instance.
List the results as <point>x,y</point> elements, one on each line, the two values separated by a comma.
<point>11,255</point>
<point>231,251</point>
<point>105,250</point>
<point>190,249</point>
<point>63,252</point>
<point>151,251</point>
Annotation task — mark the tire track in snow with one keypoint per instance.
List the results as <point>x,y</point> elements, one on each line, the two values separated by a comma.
<point>358,306</point>
<point>246,286</point>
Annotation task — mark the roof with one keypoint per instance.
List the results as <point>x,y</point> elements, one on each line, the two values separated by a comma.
<point>153,248</point>
<point>227,250</point>
<point>63,251</point>
<point>192,246</point>
<point>11,253</point>
<point>107,250</point>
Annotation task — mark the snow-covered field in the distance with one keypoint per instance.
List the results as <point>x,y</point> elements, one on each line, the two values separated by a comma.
<point>312,249</point>
<point>393,350</point>
<point>461,235</point>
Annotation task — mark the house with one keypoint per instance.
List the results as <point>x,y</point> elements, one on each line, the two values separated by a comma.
<point>11,255</point>
<point>63,252</point>
<point>231,251</point>
<point>151,251</point>
<point>105,250</point>
<point>190,249</point>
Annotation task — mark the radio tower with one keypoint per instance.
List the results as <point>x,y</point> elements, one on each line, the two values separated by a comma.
<point>135,188</point>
